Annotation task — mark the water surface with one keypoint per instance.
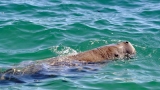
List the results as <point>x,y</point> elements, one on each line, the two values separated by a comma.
<point>31,30</point>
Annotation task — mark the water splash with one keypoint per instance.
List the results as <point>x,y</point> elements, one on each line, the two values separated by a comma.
<point>63,50</point>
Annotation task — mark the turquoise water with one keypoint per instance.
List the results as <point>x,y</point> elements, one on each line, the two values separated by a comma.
<point>31,30</point>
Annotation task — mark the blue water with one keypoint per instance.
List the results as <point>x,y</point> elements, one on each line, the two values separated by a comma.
<point>33,30</point>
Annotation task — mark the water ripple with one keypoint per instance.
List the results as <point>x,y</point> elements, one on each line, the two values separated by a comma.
<point>33,29</point>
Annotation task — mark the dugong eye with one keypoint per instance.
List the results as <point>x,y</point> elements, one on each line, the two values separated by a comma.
<point>116,55</point>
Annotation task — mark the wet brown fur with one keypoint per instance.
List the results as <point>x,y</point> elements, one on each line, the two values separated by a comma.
<point>120,50</point>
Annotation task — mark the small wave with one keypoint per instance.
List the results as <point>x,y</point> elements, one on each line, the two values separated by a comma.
<point>63,50</point>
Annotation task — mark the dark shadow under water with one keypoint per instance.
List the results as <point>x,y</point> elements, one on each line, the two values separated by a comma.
<point>46,72</point>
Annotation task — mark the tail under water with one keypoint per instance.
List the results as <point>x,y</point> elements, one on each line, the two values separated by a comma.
<point>23,74</point>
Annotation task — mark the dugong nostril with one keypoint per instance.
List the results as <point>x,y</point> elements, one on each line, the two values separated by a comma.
<point>127,42</point>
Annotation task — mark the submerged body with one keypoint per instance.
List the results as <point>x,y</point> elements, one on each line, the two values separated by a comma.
<point>122,50</point>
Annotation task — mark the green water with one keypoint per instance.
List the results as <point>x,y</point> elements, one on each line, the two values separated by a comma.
<point>37,29</point>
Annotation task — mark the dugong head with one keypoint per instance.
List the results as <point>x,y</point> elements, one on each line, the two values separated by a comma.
<point>126,50</point>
